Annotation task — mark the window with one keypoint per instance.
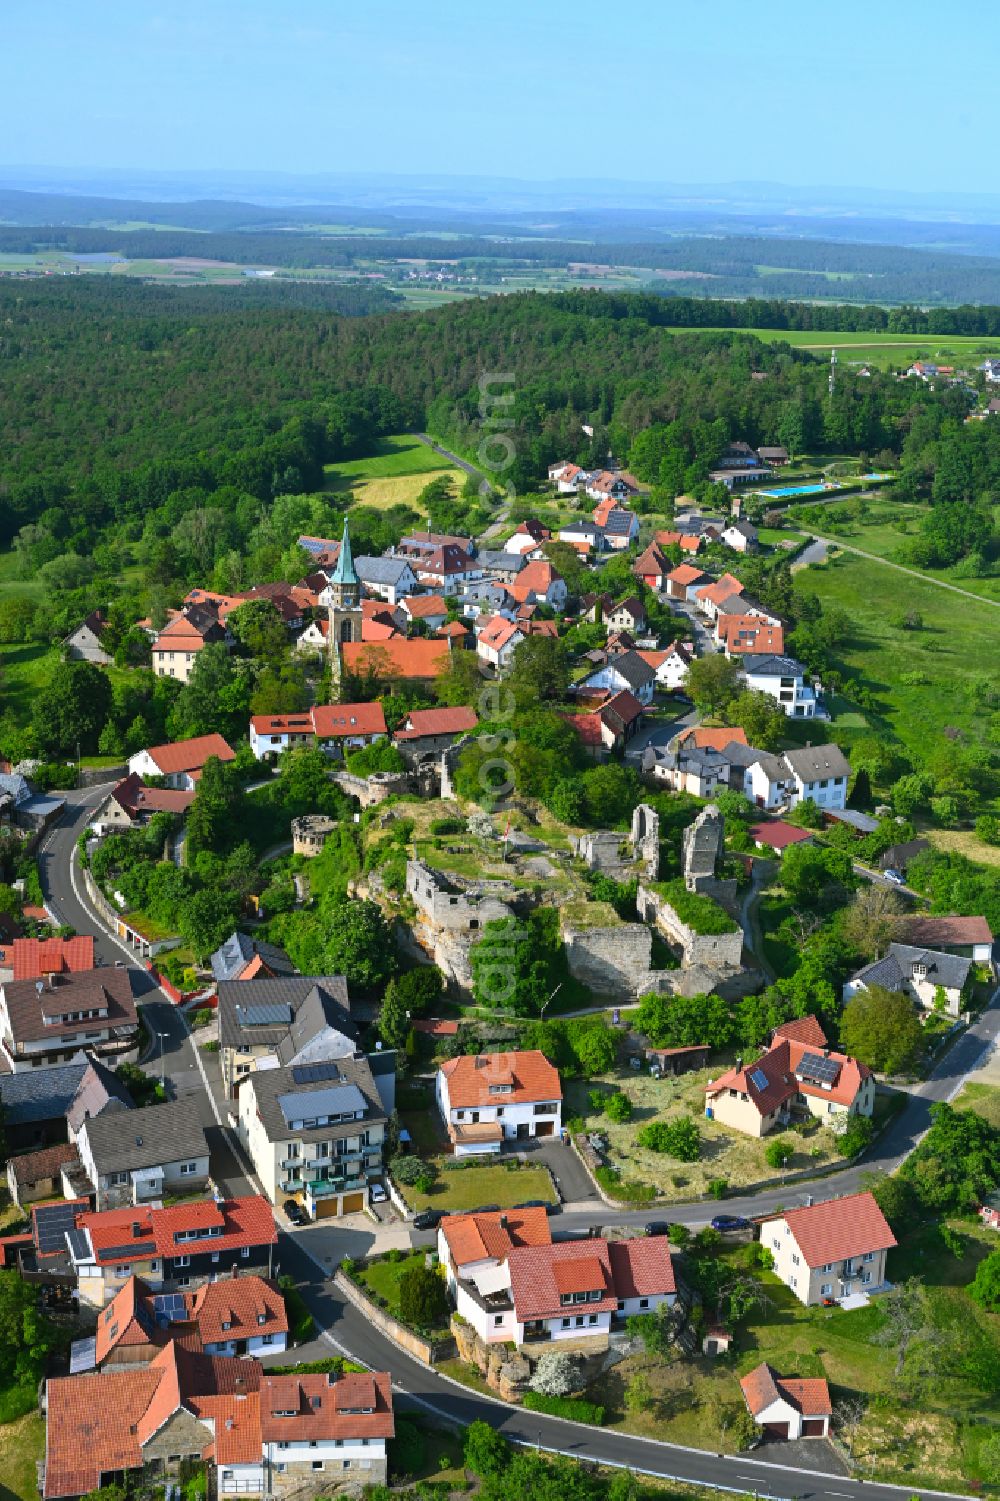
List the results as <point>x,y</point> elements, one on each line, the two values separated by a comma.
<point>592,1318</point>
<point>868,1256</point>
<point>795,1260</point>
<point>245,1252</point>
<point>187,1168</point>
<point>826,1289</point>
<point>267,1339</point>
<point>565,1323</point>
<point>578,1321</point>
<point>793,1282</point>
<point>116,1179</point>
<point>182,1261</point>
<point>215,1256</point>
<point>317,1464</point>
<point>497,1320</point>
<point>828,1267</point>
<point>866,1277</point>
<point>121,1271</point>
<point>643,1302</point>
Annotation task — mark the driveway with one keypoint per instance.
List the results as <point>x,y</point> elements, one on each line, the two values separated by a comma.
<point>572,1178</point>
<point>659,733</point>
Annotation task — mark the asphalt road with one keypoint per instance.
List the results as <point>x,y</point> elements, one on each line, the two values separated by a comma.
<point>417,1387</point>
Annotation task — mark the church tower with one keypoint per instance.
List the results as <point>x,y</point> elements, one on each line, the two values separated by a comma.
<point>345,603</point>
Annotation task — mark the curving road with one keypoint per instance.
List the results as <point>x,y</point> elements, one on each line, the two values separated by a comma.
<point>348,1332</point>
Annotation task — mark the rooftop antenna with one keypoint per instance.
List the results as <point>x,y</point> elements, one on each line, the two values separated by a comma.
<point>833,369</point>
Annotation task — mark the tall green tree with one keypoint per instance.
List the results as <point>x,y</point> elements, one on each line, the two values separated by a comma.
<point>73,708</point>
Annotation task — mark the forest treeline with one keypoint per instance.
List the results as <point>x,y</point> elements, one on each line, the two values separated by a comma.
<point>721,265</point>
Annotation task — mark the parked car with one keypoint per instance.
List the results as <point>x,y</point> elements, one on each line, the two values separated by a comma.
<point>295,1212</point>
<point>727,1222</point>
<point>377,1194</point>
<point>539,1204</point>
<point>657,1227</point>
<point>894,877</point>
<point>428,1219</point>
<point>488,1209</point>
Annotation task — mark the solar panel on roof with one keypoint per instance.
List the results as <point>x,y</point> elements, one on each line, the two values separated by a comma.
<point>127,1252</point>
<point>83,1355</point>
<point>759,1079</point>
<point>313,1073</point>
<point>52,1224</point>
<point>275,1015</point>
<point>817,1069</point>
<point>79,1246</point>
<point>321,1104</point>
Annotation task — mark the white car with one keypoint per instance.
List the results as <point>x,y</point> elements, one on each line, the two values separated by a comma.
<point>894,877</point>
<point>377,1193</point>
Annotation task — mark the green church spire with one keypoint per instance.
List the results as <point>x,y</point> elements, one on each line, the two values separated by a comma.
<point>344,572</point>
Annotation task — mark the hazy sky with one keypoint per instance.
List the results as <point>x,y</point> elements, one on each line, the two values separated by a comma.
<point>873,93</point>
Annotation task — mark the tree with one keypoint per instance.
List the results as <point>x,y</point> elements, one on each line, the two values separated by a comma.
<point>594,1045</point>
<point>880,1027</point>
<point>540,671</point>
<point>638,1392</point>
<point>679,1021</point>
<point>815,877</point>
<point>359,944</point>
<point>761,717</point>
<point>462,681</point>
<point>712,682</point>
<point>779,1151</point>
<point>259,629</point>
<point>867,922</point>
<point>957,1164</point>
<point>213,816</point>
<point>652,1328</point>
<point>407,1448</point>
<point>517,962</point>
<point>73,708</point>
<point>677,1138</point>
<point>610,792</point>
<point>556,1375</point>
<point>26,1336</point>
<point>135,649</point>
<point>989,1459</point>
<point>423,1301</point>
<point>618,1107</point>
<point>856,1137</point>
<point>485,1451</point>
<point>207,918</point>
<point>215,697</point>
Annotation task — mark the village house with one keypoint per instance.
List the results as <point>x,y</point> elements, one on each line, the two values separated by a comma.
<point>787,1407</point>
<point>419,544</point>
<point>176,647</point>
<point>502,567</point>
<point>391,579</point>
<point>611,485</point>
<point>334,728</point>
<point>37,958</point>
<point>835,1250</point>
<point>688,542</point>
<point>775,456</point>
<point>652,568</point>
<point>486,1099</point>
<point>45,1107</point>
<point>539,583</point>
<point>709,597</point>
<point>182,1245</point>
<point>38,1175</point>
<point>684,581</point>
<point>314,1133</point>
<point>777,836</point>
<point>132,804</point>
<point>528,536</point>
<point>620,527</point>
<point>933,980</point>
<point>818,772</point>
<point>720,738</point>
<point>626,670</point>
<point>794,1078</point>
<point>785,680</point>
<point>584,536</point>
<point>281,1020</point>
<point>46,1022</point>
<point>430,609</point>
<point>610,727</point>
<point>670,666</point>
<point>497,640</point>
<point>684,768</point>
<point>741,536</point>
<point>411,661</point>
<point>244,958</point>
<point>142,1155</point>
<point>430,731</point>
<point>968,937</point>
<point>445,569</point>
<point>323,1430</point>
<point>181,764</point>
<point>235,1316</point>
<point>87,643</point>
<point>739,635</point>
<point>628,615</point>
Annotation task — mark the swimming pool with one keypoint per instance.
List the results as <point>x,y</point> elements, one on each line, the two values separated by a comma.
<point>787,490</point>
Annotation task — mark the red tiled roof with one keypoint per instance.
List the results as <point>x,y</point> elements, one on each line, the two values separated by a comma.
<point>454,628</point>
<point>498,631</point>
<point>92,1427</point>
<point>703,739</point>
<point>624,705</point>
<point>762,1386</point>
<point>237,1427</point>
<point>34,957</point>
<point>778,1067</point>
<point>777,834</point>
<point>932,932</point>
<point>248,1221</point>
<point>838,1229</point>
<point>397,659</point>
<point>587,726</point>
<point>456,721</point>
<point>804,1029</point>
<point>537,1271</point>
<point>358,1405</point>
<point>237,1308</point>
<point>126,1321</point>
<point>379,630</point>
<point>135,797</point>
<point>419,606</point>
<point>723,588</point>
<point>491,1236</point>
<point>433,1027</point>
<point>529,1075</point>
<point>32,1167</point>
<point>642,1268</point>
<point>686,574</point>
<point>333,720</point>
<point>190,755</point>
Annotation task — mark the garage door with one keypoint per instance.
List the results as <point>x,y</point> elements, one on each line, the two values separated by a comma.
<point>353,1203</point>
<point>776,1430</point>
<point>326,1209</point>
<point>813,1427</point>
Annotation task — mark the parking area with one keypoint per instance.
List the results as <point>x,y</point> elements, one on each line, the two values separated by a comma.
<point>572,1178</point>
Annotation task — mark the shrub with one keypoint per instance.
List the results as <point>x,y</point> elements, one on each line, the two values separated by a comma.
<point>678,1139</point>
<point>717,1188</point>
<point>485,1451</point>
<point>856,1137</point>
<point>699,912</point>
<point>300,1321</point>
<point>422,1299</point>
<point>618,1107</point>
<point>637,1193</point>
<point>574,1408</point>
<point>447,826</point>
<point>778,1152</point>
<point>556,1375</point>
<point>407,1448</point>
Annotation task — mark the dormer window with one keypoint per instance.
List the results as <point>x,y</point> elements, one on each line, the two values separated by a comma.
<point>919,969</point>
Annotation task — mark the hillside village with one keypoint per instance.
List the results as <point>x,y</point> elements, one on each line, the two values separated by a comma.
<point>485,922</point>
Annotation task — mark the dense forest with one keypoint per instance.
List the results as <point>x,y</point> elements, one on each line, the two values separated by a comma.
<point>716,266</point>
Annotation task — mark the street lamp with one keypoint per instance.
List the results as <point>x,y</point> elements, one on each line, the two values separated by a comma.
<point>163,1079</point>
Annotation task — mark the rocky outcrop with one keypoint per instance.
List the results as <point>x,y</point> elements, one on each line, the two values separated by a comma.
<point>506,1370</point>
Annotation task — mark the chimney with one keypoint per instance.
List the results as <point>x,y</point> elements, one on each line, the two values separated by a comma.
<point>503,1222</point>
<point>239,1386</point>
<point>739,1063</point>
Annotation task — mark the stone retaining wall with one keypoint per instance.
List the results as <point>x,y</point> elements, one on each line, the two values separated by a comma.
<point>712,951</point>
<point>428,1352</point>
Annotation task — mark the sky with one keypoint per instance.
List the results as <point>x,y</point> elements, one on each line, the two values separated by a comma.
<point>867,93</point>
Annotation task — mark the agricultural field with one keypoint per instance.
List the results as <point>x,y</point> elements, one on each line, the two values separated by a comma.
<point>395,475</point>
<point>923,678</point>
<point>884,351</point>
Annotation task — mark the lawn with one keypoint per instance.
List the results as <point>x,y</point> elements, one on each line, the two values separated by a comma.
<point>22,1444</point>
<point>381,1279</point>
<point>394,475</point>
<point>725,1154</point>
<point>922,678</point>
<point>470,1187</point>
<point>964,842</point>
<point>922,1443</point>
<point>984,1099</point>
